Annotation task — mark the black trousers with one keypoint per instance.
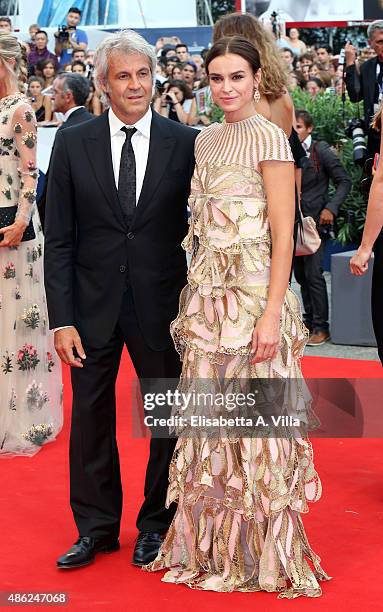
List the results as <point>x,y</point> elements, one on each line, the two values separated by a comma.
<point>95,483</point>
<point>308,272</point>
<point>377,294</point>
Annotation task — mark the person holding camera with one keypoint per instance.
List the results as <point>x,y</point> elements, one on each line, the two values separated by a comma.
<point>322,164</point>
<point>177,103</point>
<point>70,38</point>
<point>365,82</point>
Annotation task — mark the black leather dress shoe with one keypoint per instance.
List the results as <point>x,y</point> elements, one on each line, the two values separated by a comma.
<point>84,551</point>
<point>146,548</point>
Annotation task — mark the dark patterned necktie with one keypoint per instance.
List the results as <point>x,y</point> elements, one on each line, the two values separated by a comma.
<point>127,177</point>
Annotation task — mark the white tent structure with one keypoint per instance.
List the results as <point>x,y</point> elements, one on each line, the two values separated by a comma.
<point>132,13</point>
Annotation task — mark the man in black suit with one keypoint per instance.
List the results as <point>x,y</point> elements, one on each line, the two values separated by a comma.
<point>322,165</point>
<point>114,269</point>
<point>366,82</point>
<point>70,93</point>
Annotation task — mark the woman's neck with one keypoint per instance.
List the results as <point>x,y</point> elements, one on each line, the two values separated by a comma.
<point>7,89</point>
<point>241,114</point>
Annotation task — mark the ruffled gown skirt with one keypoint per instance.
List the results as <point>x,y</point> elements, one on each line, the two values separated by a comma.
<point>238,523</point>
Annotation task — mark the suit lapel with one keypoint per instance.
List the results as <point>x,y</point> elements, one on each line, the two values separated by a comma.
<point>98,148</point>
<point>160,151</point>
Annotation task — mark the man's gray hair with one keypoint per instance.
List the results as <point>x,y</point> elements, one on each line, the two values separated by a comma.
<point>77,84</point>
<point>375,25</point>
<point>124,41</point>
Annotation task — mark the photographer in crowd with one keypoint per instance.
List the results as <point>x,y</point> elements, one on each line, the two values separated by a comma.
<point>177,103</point>
<point>321,166</point>
<point>365,82</point>
<point>70,38</point>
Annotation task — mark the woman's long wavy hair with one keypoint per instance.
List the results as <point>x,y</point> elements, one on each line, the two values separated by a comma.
<point>274,76</point>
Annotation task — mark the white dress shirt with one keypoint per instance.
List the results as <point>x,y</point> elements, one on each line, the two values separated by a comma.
<point>140,144</point>
<point>70,111</point>
<point>307,144</point>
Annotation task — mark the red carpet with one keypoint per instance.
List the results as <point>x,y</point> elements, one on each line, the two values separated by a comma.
<point>345,527</point>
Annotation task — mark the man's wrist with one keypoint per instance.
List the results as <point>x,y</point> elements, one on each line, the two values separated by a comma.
<point>56,329</point>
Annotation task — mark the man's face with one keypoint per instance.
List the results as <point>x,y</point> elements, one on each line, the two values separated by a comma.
<point>5,26</point>
<point>376,42</point>
<point>79,56</point>
<point>182,54</point>
<point>302,129</point>
<point>89,58</point>
<point>41,41</point>
<point>323,56</point>
<point>60,99</point>
<point>130,85</point>
<point>32,32</point>
<point>72,20</point>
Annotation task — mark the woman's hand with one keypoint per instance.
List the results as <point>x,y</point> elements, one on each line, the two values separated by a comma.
<point>266,337</point>
<point>13,234</point>
<point>359,262</point>
<point>173,97</point>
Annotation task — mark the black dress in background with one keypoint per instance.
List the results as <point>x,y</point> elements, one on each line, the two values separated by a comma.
<point>377,294</point>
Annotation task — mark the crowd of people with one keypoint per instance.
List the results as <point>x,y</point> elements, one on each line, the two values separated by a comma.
<point>115,274</point>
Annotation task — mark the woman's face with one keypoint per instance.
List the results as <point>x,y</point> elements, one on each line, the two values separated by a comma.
<point>188,74</point>
<point>49,71</point>
<point>178,93</point>
<point>313,88</point>
<point>294,34</point>
<point>177,73</point>
<point>78,68</point>
<point>305,69</point>
<point>232,83</point>
<point>35,89</point>
<point>314,71</point>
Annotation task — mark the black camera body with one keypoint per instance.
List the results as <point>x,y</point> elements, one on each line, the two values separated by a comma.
<point>355,130</point>
<point>63,33</point>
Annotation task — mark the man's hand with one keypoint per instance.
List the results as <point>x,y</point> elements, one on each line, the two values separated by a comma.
<point>13,234</point>
<point>66,341</point>
<point>350,54</point>
<point>326,217</point>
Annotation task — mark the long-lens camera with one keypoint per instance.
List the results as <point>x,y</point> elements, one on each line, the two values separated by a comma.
<point>63,33</point>
<point>355,130</point>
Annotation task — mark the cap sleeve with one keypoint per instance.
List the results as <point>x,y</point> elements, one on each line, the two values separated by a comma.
<point>273,144</point>
<point>24,128</point>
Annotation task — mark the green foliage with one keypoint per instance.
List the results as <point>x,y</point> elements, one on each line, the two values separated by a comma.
<point>329,120</point>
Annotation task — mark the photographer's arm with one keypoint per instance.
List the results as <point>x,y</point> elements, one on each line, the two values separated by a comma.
<point>353,77</point>
<point>339,177</point>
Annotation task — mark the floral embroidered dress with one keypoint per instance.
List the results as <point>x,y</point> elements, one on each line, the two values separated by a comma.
<point>30,373</point>
<point>238,523</point>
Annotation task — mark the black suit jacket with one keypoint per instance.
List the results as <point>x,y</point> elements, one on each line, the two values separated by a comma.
<point>78,116</point>
<point>322,166</point>
<point>89,250</point>
<point>362,86</point>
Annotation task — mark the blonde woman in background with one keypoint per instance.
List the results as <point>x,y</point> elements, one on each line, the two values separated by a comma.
<point>30,375</point>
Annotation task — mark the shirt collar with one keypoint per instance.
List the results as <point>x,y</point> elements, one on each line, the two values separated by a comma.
<point>142,125</point>
<point>307,142</point>
<point>71,110</point>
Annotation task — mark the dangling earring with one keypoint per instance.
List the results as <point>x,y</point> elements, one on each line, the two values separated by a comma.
<point>257,95</point>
